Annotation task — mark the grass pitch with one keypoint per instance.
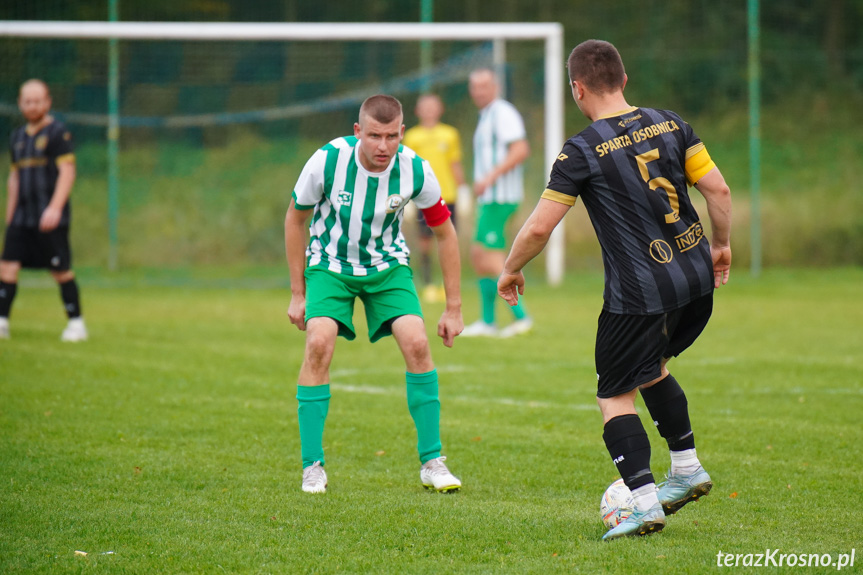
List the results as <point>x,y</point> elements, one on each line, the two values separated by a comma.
<point>168,443</point>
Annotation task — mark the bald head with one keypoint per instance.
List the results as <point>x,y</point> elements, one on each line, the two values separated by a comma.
<point>34,85</point>
<point>34,100</point>
<point>483,87</point>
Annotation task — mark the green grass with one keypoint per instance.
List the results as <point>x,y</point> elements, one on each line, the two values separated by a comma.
<point>170,439</point>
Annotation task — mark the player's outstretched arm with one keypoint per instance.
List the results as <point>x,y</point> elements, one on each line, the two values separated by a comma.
<point>295,250</point>
<point>451,323</point>
<point>530,241</point>
<point>718,196</point>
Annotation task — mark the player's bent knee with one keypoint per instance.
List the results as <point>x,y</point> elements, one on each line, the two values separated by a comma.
<point>418,350</point>
<point>319,349</point>
<point>64,276</point>
<point>477,257</point>
<point>612,407</point>
<point>318,344</point>
<point>663,374</point>
<point>9,271</point>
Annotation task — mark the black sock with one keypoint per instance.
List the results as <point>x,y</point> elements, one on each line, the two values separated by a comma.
<point>71,300</point>
<point>7,294</point>
<point>629,448</point>
<point>669,409</point>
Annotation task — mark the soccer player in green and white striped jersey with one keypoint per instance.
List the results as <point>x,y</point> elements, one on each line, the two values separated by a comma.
<point>355,189</point>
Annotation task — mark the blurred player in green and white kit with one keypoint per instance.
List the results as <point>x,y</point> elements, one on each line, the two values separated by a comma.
<point>352,194</point>
<point>499,148</point>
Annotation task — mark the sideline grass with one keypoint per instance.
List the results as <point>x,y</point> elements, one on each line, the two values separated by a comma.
<point>170,438</point>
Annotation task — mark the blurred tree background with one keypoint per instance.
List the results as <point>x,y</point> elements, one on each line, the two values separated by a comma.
<point>189,194</point>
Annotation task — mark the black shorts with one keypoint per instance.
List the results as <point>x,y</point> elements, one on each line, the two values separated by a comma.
<point>35,249</point>
<point>630,348</point>
<point>424,230</point>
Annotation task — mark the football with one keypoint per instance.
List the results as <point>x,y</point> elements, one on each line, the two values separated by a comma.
<point>616,504</point>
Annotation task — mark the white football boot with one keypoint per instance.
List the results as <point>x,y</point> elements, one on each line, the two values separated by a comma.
<point>315,478</point>
<point>517,327</point>
<point>4,328</point>
<point>75,330</point>
<point>479,329</point>
<point>435,475</point>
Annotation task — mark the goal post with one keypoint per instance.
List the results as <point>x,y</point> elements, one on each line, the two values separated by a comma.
<point>551,34</point>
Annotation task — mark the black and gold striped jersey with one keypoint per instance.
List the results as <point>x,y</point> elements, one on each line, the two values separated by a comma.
<point>36,157</point>
<point>633,170</point>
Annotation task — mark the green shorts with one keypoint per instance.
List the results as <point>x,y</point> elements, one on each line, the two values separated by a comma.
<point>386,295</point>
<point>491,224</point>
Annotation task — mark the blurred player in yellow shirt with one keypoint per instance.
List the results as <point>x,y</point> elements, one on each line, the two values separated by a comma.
<point>439,144</point>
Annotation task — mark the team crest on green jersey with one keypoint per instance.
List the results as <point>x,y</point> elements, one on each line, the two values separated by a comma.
<point>394,203</point>
<point>343,198</point>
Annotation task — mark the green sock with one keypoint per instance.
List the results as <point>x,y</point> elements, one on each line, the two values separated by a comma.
<point>424,406</point>
<point>488,291</point>
<point>314,402</point>
<point>518,310</point>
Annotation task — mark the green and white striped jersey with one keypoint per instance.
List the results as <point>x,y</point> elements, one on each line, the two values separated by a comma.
<point>499,125</point>
<point>356,225</point>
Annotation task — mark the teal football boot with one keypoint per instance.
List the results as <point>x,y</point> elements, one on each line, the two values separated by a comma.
<point>678,490</point>
<point>639,523</point>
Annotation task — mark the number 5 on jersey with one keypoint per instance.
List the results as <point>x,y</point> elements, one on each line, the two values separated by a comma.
<point>659,182</point>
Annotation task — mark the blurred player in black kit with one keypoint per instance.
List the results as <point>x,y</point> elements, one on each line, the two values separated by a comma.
<point>37,207</point>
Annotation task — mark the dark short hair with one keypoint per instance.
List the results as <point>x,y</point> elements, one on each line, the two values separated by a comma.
<point>382,107</point>
<point>597,65</point>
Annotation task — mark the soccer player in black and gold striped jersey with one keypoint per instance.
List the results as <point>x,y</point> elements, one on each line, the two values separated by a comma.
<point>37,207</point>
<point>632,168</point>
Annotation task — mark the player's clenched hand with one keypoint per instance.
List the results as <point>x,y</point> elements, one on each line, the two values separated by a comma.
<point>450,325</point>
<point>50,219</point>
<point>297,311</point>
<point>510,286</point>
<point>721,265</point>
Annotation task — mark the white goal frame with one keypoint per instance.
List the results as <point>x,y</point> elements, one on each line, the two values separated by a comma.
<point>551,33</point>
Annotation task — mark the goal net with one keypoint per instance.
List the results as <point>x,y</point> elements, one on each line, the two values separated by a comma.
<point>210,124</point>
